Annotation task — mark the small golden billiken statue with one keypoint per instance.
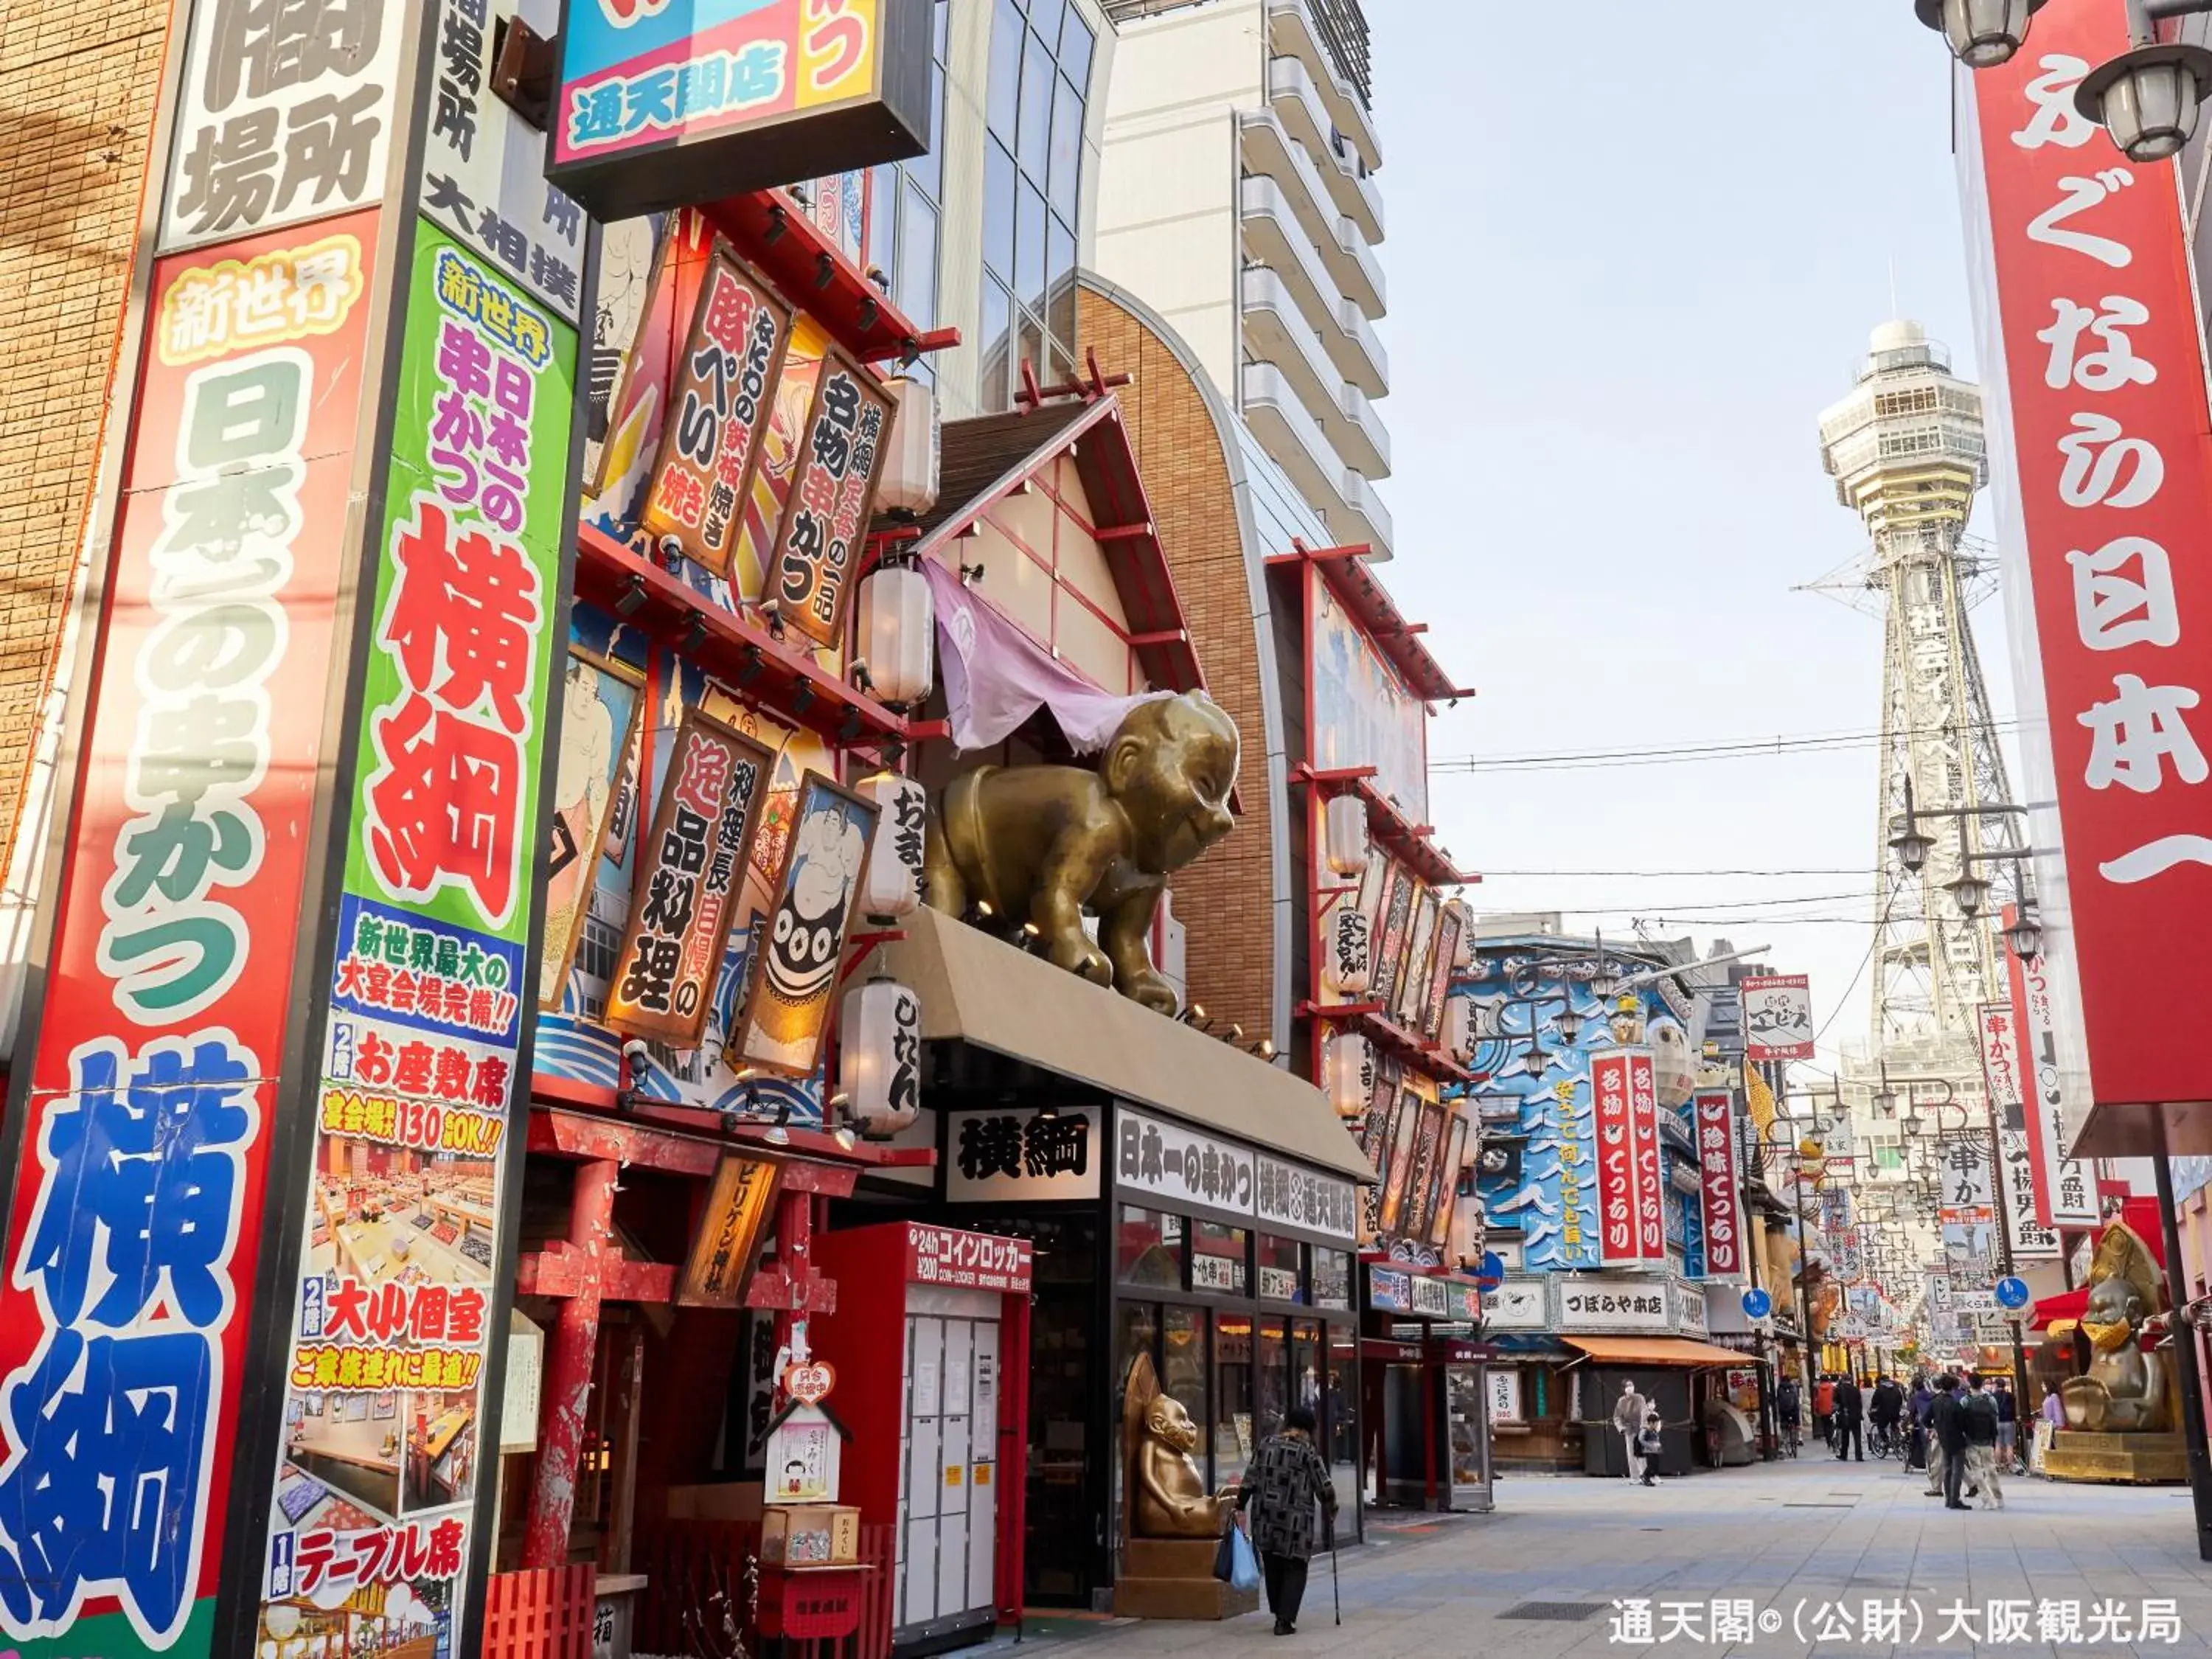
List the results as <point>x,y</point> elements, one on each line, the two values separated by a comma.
<point>1043,842</point>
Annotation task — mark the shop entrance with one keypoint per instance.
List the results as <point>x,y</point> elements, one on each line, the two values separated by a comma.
<point>1064,1532</point>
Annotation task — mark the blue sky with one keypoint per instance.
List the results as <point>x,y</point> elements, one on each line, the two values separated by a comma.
<point>1633,249</point>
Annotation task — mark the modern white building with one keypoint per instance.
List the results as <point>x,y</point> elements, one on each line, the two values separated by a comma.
<point>1236,196</point>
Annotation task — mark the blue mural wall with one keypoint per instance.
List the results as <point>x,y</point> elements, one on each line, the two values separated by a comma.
<point>1539,1100</point>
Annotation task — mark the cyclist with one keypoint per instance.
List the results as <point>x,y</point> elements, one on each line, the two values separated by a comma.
<point>1884,1407</point>
<point>1789,1413</point>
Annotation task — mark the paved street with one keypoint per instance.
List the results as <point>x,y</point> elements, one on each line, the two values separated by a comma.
<point>1796,1540</point>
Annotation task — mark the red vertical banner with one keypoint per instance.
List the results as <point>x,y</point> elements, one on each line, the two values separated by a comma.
<point>2090,334</point>
<point>1718,1181</point>
<point>1644,1125</point>
<point>136,1220</point>
<point>1625,1085</point>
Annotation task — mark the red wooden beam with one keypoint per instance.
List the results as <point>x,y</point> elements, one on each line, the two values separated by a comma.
<point>773,1288</point>
<point>573,1134</point>
<point>565,1272</point>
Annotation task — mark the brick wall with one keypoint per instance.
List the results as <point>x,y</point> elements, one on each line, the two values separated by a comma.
<point>77,85</point>
<point>1226,898</point>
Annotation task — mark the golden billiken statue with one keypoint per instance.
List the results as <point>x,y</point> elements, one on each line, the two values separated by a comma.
<point>1045,843</point>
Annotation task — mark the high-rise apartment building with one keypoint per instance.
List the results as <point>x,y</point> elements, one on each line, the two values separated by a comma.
<point>1236,196</point>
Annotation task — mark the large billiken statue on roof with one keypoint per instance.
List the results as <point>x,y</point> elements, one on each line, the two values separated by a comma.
<point>1047,842</point>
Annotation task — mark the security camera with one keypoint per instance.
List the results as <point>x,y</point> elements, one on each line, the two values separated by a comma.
<point>635,1052</point>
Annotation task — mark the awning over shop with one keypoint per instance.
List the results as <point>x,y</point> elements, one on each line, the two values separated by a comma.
<point>1654,1351</point>
<point>2067,1304</point>
<point>977,990</point>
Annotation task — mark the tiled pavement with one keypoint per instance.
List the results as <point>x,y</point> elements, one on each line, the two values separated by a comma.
<point>1799,1541</point>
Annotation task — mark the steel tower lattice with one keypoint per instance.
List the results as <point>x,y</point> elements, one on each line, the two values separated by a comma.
<point>1906,449</point>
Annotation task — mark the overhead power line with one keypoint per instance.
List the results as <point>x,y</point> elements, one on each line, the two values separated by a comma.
<point>1679,754</point>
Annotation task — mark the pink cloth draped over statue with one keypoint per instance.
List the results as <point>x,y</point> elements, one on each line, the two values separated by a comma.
<point>996,676</point>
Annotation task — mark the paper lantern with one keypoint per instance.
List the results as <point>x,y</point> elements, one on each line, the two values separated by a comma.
<point>1347,951</point>
<point>1345,820</point>
<point>1349,1067</point>
<point>908,485</point>
<point>879,1056</point>
<point>892,886</point>
<point>896,634</point>
<point>1459,1027</point>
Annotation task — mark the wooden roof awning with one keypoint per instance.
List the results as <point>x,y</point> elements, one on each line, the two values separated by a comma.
<point>1353,582</point>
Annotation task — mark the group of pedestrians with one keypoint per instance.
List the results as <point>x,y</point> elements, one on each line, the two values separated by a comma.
<point>1964,1429</point>
<point>1972,1431</point>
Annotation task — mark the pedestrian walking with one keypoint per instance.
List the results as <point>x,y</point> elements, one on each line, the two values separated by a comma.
<point>1284,1486</point>
<point>1981,1423</point>
<point>1947,1421</point>
<point>1919,1403</point>
<point>1651,1443</point>
<point>2007,1428</point>
<point>1849,1406</point>
<point>1824,1408</point>
<point>1628,1423</point>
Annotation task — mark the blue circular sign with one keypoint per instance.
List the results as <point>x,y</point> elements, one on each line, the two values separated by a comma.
<point>1491,1273</point>
<point>1757,1304</point>
<point>2012,1293</point>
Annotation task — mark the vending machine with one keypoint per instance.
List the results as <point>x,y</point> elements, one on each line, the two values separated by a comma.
<point>930,1341</point>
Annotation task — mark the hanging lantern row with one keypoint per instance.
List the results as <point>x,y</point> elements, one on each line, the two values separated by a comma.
<point>1347,948</point>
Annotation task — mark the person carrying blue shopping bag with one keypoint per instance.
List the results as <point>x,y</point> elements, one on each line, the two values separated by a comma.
<point>1284,1486</point>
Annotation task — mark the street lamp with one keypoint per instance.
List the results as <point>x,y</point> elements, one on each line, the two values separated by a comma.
<point>2024,938</point>
<point>1983,33</point>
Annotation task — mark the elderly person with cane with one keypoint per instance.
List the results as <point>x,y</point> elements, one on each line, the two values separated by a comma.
<point>1286,1483</point>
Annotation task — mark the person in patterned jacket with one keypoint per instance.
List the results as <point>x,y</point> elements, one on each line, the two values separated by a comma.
<point>1285,1483</point>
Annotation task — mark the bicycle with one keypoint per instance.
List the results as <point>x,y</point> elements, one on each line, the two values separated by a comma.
<point>1793,1438</point>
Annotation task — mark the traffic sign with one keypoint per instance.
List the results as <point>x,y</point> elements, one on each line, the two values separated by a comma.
<point>2012,1293</point>
<point>1757,1304</point>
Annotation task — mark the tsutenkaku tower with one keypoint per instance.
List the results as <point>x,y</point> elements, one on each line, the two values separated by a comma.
<point>1906,451</point>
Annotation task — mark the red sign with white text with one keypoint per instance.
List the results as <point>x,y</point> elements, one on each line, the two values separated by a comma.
<point>1718,1182</point>
<point>137,1217</point>
<point>1632,1226</point>
<point>2095,325</point>
<point>966,1262</point>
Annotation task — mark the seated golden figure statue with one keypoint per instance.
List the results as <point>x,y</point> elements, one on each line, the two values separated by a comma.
<point>1166,1495</point>
<point>1042,843</point>
<point>2126,1390</point>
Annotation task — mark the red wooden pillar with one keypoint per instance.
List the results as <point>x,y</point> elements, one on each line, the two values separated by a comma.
<point>1013,1457</point>
<point>568,1368</point>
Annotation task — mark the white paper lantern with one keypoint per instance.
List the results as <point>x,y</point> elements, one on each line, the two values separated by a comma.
<point>879,1056</point>
<point>908,485</point>
<point>1347,951</point>
<point>1348,1064</point>
<point>1344,819</point>
<point>892,886</point>
<point>896,634</point>
<point>1459,1027</point>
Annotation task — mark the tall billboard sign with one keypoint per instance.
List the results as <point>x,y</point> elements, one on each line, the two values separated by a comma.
<point>1777,1016</point>
<point>2103,482</point>
<point>1631,1201</point>
<point>261,1154</point>
<point>2065,1188</point>
<point>659,105</point>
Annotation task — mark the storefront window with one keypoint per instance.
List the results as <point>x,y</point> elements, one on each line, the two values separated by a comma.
<point>1182,1367</point>
<point>1338,1433</point>
<point>1280,1279</point>
<point>1149,1248</point>
<point>1232,1397</point>
<point>1332,1278</point>
<point>1271,1376</point>
<point>1217,1260</point>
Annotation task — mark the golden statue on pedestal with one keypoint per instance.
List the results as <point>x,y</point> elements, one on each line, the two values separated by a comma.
<point>2126,1390</point>
<point>1042,843</point>
<point>1167,1495</point>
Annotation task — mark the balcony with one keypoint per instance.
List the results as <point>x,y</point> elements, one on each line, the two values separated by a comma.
<point>1360,436</point>
<point>1291,33</point>
<point>1276,333</point>
<point>1291,95</point>
<point>1270,153</point>
<point>1362,359</point>
<point>1355,194</point>
<point>1295,441</point>
<point>1366,520</point>
<point>1357,271</point>
<point>1273,237</point>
